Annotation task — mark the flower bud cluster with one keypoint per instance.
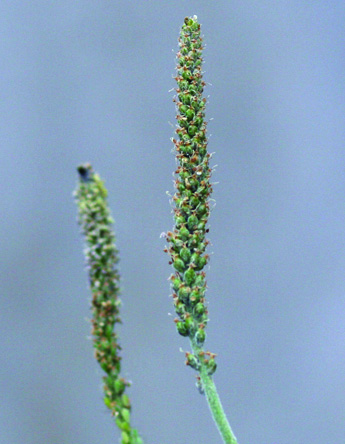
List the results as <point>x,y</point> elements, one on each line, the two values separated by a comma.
<point>187,242</point>
<point>102,256</point>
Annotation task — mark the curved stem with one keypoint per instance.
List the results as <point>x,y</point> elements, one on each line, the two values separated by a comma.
<point>214,403</point>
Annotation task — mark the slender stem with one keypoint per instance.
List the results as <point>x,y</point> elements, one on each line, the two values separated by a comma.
<point>216,408</point>
<point>213,400</point>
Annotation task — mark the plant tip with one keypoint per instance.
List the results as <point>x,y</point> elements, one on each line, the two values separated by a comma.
<point>85,172</point>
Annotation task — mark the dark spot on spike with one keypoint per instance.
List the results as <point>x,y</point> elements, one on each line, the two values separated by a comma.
<point>85,172</point>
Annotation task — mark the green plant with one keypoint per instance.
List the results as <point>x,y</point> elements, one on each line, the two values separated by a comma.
<point>101,256</point>
<point>187,245</point>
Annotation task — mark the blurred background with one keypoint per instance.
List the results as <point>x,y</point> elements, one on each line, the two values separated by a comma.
<point>89,81</point>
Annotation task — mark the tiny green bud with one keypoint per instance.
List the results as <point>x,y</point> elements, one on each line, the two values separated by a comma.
<point>190,114</point>
<point>199,309</point>
<point>183,85</point>
<point>180,308</point>
<point>183,174</point>
<point>176,283</point>
<point>198,122</point>
<point>104,366</point>
<point>103,191</point>
<point>201,225</point>
<point>107,402</point>
<point>193,182</point>
<point>211,366</point>
<point>125,415</point>
<point>185,98</point>
<point>178,203</point>
<point>192,221</point>
<point>125,401</point>
<point>177,243</point>
<point>192,129</point>
<point>202,261</point>
<point>184,233</point>
<point>108,331</point>
<point>119,386</point>
<point>200,336</point>
<point>195,296</point>
<point>180,220</point>
<point>123,425</point>
<point>189,324</point>
<point>194,201</point>
<point>181,328</point>
<point>193,361</point>
<point>186,74</point>
<point>185,208</point>
<point>202,247</point>
<point>183,109</point>
<point>195,259</point>
<point>202,209</point>
<point>186,149</point>
<point>202,190</point>
<point>179,265</point>
<point>135,437</point>
<point>201,135</point>
<point>195,104</point>
<point>193,89</point>
<point>185,138</point>
<point>183,293</point>
<point>183,122</point>
<point>199,281</point>
<point>189,276</point>
<point>185,255</point>
<point>189,22</point>
<point>181,188</point>
<point>125,438</point>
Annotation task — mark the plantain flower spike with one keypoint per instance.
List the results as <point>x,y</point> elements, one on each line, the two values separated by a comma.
<point>102,257</point>
<point>187,241</point>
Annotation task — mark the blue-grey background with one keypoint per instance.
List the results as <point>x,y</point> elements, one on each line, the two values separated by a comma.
<point>89,81</point>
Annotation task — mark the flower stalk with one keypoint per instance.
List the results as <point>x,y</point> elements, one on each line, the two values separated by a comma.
<point>187,241</point>
<point>102,257</point>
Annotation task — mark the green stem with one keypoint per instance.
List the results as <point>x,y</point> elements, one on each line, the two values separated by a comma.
<point>216,408</point>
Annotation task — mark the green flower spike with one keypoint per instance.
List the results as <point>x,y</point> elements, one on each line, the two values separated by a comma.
<point>193,188</point>
<point>101,257</point>
<point>187,241</point>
